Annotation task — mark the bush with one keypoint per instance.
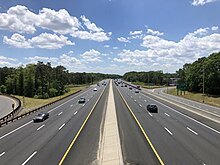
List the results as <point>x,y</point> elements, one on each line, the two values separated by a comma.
<point>53,92</point>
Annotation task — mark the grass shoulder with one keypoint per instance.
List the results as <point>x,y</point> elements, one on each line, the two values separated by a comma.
<point>211,100</point>
<point>145,85</point>
<point>32,103</point>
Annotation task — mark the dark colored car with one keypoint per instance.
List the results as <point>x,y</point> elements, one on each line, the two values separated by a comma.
<point>41,117</point>
<point>125,85</point>
<point>130,88</point>
<point>82,100</point>
<point>152,108</point>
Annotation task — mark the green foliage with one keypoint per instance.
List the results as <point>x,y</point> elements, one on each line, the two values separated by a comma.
<point>150,78</point>
<point>207,68</point>
<point>43,81</point>
<point>3,89</point>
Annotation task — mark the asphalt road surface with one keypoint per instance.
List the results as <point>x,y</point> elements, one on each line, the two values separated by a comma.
<point>6,105</point>
<point>177,138</point>
<point>73,133</point>
<point>24,142</point>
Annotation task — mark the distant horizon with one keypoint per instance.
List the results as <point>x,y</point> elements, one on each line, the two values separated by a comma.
<point>109,36</point>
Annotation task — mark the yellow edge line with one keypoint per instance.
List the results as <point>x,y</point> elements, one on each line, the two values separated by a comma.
<point>148,140</point>
<point>80,130</point>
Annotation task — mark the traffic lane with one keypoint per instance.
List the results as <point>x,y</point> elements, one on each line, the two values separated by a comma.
<point>33,141</point>
<point>9,139</point>
<point>19,123</point>
<point>5,105</point>
<point>201,141</point>
<point>170,151</point>
<point>191,135</point>
<point>135,148</point>
<point>188,102</point>
<point>54,150</point>
<point>86,149</point>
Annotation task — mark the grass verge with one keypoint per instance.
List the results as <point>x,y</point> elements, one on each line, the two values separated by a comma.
<point>211,100</point>
<point>32,103</point>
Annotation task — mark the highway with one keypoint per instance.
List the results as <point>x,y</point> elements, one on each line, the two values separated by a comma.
<point>6,105</point>
<point>73,132</point>
<point>176,137</point>
<point>24,142</point>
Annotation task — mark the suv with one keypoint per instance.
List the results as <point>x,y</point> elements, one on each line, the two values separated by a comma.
<point>152,108</point>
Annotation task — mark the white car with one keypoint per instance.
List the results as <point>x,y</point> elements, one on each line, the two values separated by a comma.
<point>95,89</point>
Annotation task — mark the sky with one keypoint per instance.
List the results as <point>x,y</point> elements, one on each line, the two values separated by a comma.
<point>108,36</point>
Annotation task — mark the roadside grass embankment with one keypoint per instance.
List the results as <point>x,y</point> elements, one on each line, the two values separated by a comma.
<point>32,103</point>
<point>145,85</point>
<point>199,97</point>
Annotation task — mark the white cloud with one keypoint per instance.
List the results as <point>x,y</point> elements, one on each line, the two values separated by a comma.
<point>154,32</point>
<point>214,28</point>
<point>122,39</point>
<point>17,41</point>
<point>90,26</point>
<point>201,2</point>
<point>50,41</point>
<point>57,21</point>
<point>91,56</point>
<point>20,19</point>
<point>170,54</point>
<point>44,40</point>
<point>96,36</point>
<point>106,46</point>
<point>135,32</point>
<point>9,62</point>
<point>115,47</point>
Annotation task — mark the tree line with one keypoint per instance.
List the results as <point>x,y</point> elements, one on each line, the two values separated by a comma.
<point>43,81</point>
<point>204,72</point>
<point>150,78</point>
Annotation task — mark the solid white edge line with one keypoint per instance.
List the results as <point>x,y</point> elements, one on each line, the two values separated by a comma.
<point>2,154</point>
<point>60,113</point>
<point>29,158</point>
<point>168,131</point>
<point>150,114</point>
<point>32,121</point>
<point>75,112</point>
<point>40,127</point>
<point>192,131</point>
<point>167,114</point>
<point>62,126</point>
<point>216,131</point>
<point>16,129</point>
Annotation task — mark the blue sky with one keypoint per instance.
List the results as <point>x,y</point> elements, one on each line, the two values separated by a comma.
<point>108,36</point>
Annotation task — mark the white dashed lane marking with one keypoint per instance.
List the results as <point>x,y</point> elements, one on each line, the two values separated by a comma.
<point>40,127</point>
<point>192,131</point>
<point>168,131</point>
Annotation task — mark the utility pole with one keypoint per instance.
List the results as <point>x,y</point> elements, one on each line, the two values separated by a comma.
<point>203,88</point>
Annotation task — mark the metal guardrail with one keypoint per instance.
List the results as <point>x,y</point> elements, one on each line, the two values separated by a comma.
<point>10,117</point>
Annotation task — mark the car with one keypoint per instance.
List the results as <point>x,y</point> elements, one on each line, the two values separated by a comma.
<point>152,108</point>
<point>125,85</point>
<point>130,88</point>
<point>95,89</point>
<point>136,91</point>
<point>122,85</point>
<point>82,100</point>
<point>41,117</point>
